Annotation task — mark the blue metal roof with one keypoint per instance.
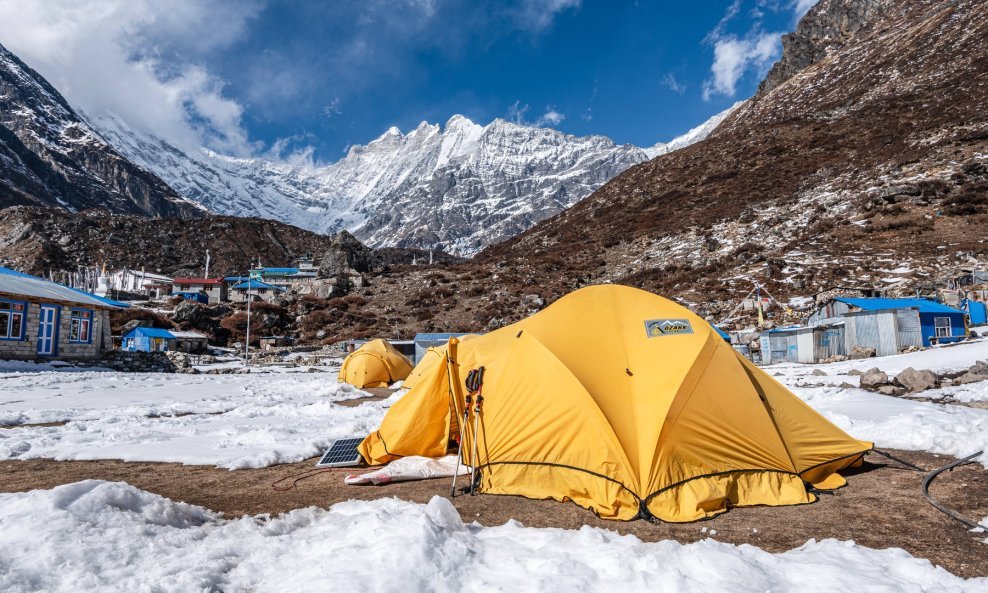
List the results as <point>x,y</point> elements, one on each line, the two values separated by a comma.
<point>256,285</point>
<point>433,337</point>
<point>721,333</point>
<point>151,332</point>
<point>923,305</point>
<point>232,279</point>
<point>278,271</point>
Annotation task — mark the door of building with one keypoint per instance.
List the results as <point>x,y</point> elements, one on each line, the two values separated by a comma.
<point>48,331</point>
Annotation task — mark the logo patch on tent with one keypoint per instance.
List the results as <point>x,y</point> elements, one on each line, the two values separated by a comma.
<point>667,327</point>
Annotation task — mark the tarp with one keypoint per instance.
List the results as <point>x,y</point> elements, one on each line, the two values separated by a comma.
<point>408,469</point>
<point>625,403</point>
<point>375,364</point>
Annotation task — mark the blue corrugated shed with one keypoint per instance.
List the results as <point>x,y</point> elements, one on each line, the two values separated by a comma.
<point>151,332</point>
<point>874,304</point>
<point>146,339</point>
<point>278,271</point>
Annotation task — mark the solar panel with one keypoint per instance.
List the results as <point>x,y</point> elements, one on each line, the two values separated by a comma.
<point>341,453</point>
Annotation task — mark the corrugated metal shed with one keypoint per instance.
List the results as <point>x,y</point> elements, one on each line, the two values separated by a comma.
<point>14,283</point>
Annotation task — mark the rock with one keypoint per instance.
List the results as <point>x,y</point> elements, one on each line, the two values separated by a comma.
<point>890,390</point>
<point>819,373</point>
<point>915,381</point>
<point>979,368</point>
<point>855,372</point>
<point>969,378</point>
<point>859,352</point>
<point>845,385</point>
<point>873,379</point>
<point>189,312</point>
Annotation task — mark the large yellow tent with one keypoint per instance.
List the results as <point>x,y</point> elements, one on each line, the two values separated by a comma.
<point>375,364</point>
<point>625,403</point>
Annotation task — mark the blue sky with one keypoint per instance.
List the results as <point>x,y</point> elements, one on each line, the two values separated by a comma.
<point>305,79</point>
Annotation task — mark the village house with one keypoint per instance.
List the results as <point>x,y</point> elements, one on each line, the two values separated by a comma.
<point>304,271</point>
<point>256,290</point>
<point>127,282</point>
<point>203,290</point>
<point>47,321</point>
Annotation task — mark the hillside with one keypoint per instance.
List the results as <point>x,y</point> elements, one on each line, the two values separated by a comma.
<point>874,158</point>
<point>38,240</point>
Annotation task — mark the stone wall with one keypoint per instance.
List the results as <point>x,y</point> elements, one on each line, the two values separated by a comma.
<point>139,362</point>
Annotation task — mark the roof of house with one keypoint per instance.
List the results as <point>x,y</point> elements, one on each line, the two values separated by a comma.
<point>197,281</point>
<point>235,279</point>
<point>277,271</point>
<point>151,332</point>
<point>922,305</point>
<point>256,285</point>
<point>16,283</point>
<point>188,335</point>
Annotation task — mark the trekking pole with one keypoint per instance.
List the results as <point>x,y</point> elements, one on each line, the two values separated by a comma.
<point>459,450</point>
<point>475,458</point>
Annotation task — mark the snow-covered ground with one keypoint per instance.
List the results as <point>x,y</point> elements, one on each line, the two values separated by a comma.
<point>896,422</point>
<point>233,421</point>
<point>97,535</point>
<point>102,536</point>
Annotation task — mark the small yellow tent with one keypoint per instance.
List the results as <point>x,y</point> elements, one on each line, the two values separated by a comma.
<point>627,404</point>
<point>375,364</point>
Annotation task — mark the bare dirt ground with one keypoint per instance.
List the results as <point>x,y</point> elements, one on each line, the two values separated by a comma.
<point>881,507</point>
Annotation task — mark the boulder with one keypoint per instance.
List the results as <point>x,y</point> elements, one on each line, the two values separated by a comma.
<point>915,381</point>
<point>855,372</point>
<point>873,379</point>
<point>819,373</point>
<point>979,368</point>
<point>890,390</point>
<point>189,312</point>
<point>859,352</point>
<point>969,378</point>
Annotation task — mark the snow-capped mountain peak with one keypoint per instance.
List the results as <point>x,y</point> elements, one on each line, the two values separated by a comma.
<point>457,187</point>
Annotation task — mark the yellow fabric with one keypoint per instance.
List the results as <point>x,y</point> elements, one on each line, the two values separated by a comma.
<point>581,403</point>
<point>375,364</point>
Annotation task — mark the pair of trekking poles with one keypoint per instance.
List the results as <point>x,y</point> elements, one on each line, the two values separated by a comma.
<point>475,398</point>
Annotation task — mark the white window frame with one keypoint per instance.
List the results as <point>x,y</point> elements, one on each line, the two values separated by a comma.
<point>938,329</point>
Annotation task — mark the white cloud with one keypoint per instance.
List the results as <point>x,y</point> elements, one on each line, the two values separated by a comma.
<point>333,108</point>
<point>734,57</point>
<point>537,15</point>
<point>517,113</point>
<point>109,56</point>
<point>551,117</point>
<point>672,83</point>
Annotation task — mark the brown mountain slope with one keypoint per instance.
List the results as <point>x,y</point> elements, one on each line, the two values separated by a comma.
<point>39,240</point>
<point>877,151</point>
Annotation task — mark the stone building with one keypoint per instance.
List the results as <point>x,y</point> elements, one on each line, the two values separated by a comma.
<point>42,320</point>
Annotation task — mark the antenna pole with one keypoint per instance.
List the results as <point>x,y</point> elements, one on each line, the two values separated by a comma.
<point>247,339</point>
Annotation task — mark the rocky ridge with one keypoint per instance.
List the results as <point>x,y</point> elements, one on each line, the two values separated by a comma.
<point>49,156</point>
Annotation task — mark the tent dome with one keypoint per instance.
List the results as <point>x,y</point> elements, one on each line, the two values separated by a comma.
<point>625,403</point>
<point>375,364</point>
